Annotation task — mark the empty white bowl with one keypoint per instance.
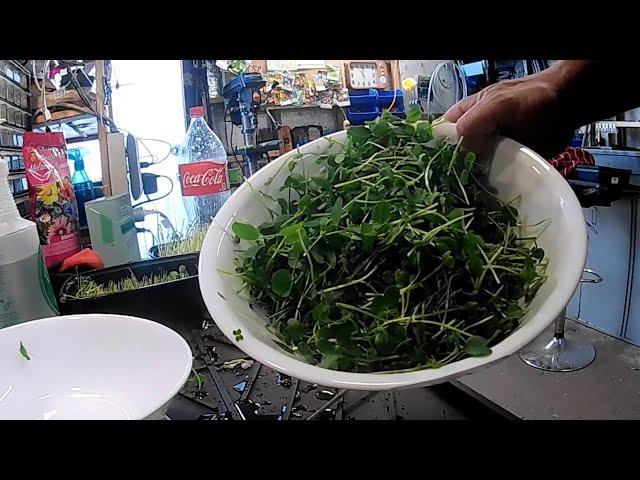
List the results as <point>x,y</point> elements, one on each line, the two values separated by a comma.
<point>91,367</point>
<point>515,170</point>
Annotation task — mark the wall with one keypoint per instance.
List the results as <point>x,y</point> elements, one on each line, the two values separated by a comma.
<point>414,68</point>
<point>329,120</point>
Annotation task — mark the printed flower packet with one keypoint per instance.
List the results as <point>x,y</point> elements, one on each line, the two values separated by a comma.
<point>53,203</point>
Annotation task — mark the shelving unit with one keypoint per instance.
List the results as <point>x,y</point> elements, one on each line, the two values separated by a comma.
<point>15,119</point>
<point>77,124</point>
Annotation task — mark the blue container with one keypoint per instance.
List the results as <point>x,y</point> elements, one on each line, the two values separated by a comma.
<point>358,118</point>
<point>385,97</point>
<point>363,100</point>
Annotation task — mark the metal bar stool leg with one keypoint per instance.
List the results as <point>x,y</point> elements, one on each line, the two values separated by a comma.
<point>561,354</point>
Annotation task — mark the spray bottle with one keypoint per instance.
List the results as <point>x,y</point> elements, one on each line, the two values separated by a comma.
<point>25,288</point>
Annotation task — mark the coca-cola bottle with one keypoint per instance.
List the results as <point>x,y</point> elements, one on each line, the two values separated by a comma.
<point>202,170</point>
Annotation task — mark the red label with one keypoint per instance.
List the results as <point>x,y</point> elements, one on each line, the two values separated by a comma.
<point>203,178</point>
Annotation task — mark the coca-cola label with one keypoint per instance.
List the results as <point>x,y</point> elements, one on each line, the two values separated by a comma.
<point>203,178</point>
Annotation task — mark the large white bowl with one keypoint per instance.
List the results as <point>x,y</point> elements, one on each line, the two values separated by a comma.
<point>91,367</point>
<point>515,170</point>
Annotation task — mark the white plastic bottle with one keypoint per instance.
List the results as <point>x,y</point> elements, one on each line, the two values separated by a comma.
<point>25,288</point>
<point>203,173</point>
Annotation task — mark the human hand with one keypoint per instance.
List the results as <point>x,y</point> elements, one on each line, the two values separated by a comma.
<point>527,110</point>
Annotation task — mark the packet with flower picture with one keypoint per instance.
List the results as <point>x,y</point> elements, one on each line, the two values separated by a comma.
<point>52,200</point>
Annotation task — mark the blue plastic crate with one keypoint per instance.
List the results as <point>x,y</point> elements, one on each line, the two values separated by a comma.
<point>385,97</point>
<point>363,100</point>
<point>358,118</point>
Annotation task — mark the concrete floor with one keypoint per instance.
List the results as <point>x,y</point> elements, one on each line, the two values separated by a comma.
<point>608,389</point>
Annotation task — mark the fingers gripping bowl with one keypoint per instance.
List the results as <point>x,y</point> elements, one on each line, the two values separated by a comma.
<point>515,172</point>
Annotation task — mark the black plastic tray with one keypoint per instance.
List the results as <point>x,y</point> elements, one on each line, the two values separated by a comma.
<point>176,304</point>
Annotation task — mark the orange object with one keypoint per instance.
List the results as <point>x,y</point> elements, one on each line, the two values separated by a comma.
<point>85,258</point>
<point>284,134</point>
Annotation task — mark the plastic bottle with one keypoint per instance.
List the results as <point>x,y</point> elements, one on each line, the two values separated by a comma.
<point>82,185</point>
<point>203,172</point>
<point>25,288</point>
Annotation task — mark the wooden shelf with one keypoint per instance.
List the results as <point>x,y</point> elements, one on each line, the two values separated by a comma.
<point>76,126</point>
<point>8,151</point>
<point>21,198</point>
<point>16,175</point>
<point>6,126</point>
<point>65,116</point>
<point>17,107</point>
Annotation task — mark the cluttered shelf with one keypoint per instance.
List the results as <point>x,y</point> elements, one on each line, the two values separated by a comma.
<point>11,128</point>
<point>13,105</point>
<point>76,126</point>
<point>10,151</point>
<point>13,175</point>
<point>21,198</point>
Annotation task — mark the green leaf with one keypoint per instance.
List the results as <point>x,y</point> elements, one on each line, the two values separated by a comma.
<point>476,265</point>
<point>304,202</point>
<point>391,296</point>
<point>293,233</point>
<point>378,305</point>
<point>296,331</point>
<point>291,230</point>
<point>245,231</point>
<point>319,312</point>
<point>448,260</point>
<point>336,212</point>
<point>317,256</point>
<point>323,183</point>
<point>368,233</point>
<point>471,244</point>
<point>414,114</point>
<point>381,128</point>
<point>423,131</point>
<point>251,252</point>
<point>330,361</point>
<point>284,205</point>
<point>281,283</point>
<point>331,258</point>
<point>306,352</point>
<point>538,253</point>
<point>293,259</point>
<point>381,212</point>
<point>511,213</point>
<point>339,158</point>
<point>23,352</point>
<point>469,160</point>
<point>358,134</point>
<point>476,346</point>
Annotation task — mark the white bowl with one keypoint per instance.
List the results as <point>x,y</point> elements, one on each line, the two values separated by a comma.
<point>91,367</point>
<point>515,170</point>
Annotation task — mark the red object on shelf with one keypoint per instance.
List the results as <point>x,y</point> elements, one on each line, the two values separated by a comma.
<point>86,259</point>
<point>568,160</point>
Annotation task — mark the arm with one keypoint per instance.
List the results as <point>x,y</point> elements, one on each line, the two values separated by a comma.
<point>542,111</point>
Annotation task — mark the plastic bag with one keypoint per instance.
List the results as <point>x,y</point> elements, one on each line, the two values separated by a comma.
<point>53,203</point>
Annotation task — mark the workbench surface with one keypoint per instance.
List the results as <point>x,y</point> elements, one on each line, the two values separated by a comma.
<point>608,389</point>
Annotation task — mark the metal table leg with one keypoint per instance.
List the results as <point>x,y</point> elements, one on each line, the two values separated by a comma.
<point>561,354</point>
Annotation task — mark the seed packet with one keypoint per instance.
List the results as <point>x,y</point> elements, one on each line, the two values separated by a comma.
<point>326,99</point>
<point>301,80</point>
<point>298,94</point>
<point>319,81</point>
<point>342,97</point>
<point>287,98</point>
<point>333,74</point>
<point>288,81</point>
<point>52,200</point>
